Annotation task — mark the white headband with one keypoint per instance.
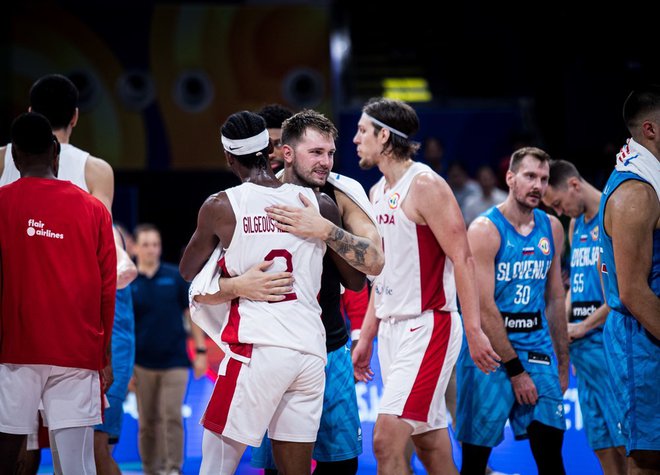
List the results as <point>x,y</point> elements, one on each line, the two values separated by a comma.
<point>246,146</point>
<point>385,126</point>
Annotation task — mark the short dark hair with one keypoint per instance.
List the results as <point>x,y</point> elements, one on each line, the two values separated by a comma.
<point>639,103</point>
<point>295,126</point>
<point>243,125</point>
<point>274,115</point>
<point>400,116</point>
<point>560,172</point>
<point>31,133</point>
<point>56,97</point>
<point>518,155</point>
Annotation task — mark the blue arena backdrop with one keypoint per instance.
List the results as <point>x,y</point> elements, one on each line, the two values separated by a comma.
<point>510,457</point>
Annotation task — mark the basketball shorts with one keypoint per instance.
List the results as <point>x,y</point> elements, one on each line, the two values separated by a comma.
<point>71,397</point>
<point>486,401</point>
<point>279,389</point>
<point>633,361</point>
<point>416,358</point>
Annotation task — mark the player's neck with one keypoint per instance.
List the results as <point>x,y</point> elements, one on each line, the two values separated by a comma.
<point>262,177</point>
<point>63,135</point>
<point>521,217</point>
<point>591,202</point>
<point>393,169</point>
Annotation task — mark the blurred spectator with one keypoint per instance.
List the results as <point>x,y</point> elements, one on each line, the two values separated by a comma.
<point>433,153</point>
<point>487,196</point>
<point>461,184</point>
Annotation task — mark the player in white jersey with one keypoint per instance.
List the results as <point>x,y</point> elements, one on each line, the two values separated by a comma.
<point>273,375</point>
<point>56,97</point>
<point>413,303</point>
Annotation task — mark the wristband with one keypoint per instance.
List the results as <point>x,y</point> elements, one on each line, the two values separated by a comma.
<point>514,367</point>
<point>200,351</point>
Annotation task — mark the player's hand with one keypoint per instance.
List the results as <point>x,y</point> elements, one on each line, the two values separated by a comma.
<point>107,378</point>
<point>259,285</point>
<point>200,365</point>
<point>524,388</point>
<point>576,331</point>
<point>482,352</point>
<point>362,361</point>
<point>304,222</point>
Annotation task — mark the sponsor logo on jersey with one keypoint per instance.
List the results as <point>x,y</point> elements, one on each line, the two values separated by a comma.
<point>544,245</point>
<point>394,200</point>
<point>594,233</point>
<point>527,251</point>
<point>36,227</point>
<point>522,322</point>
<point>581,310</point>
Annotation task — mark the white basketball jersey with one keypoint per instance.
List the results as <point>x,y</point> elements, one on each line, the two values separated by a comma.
<point>417,275</point>
<point>295,322</point>
<point>72,166</point>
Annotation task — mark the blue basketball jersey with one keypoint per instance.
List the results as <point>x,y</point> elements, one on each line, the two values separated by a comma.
<point>521,269</point>
<point>608,267</point>
<point>586,291</point>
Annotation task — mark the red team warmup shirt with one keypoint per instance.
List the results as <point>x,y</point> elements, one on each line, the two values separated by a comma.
<point>59,273</point>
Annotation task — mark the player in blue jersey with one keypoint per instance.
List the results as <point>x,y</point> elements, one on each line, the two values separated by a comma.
<point>630,265</point>
<point>516,249</point>
<point>568,193</point>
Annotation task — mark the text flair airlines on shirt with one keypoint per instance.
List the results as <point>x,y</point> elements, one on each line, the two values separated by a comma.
<point>36,228</point>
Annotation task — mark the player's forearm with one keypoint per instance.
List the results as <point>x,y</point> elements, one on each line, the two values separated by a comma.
<point>558,329</point>
<point>360,252</point>
<point>493,326</point>
<point>126,273</point>
<point>370,323</point>
<point>597,318</point>
<point>466,287</point>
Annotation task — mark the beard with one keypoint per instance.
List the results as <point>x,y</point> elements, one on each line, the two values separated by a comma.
<point>528,201</point>
<point>365,164</point>
<point>308,179</point>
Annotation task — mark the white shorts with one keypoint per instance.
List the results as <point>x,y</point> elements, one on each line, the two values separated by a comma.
<point>71,397</point>
<point>279,389</point>
<point>416,359</point>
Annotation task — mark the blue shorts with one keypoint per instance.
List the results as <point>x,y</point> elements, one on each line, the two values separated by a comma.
<point>595,392</point>
<point>486,401</point>
<point>113,417</point>
<point>340,433</point>
<point>633,360</point>
<point>122,370</point>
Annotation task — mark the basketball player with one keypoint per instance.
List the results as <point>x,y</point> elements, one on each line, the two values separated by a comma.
<point>413,302</point>
<point>516,250</point>
<point>568,193</point>
<point>56,97</point>
<point>273,373</point>
<point>630,240</point>
<point>58,300</point>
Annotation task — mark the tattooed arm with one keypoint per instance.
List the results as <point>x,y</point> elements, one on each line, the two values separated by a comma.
<point>363,252</point>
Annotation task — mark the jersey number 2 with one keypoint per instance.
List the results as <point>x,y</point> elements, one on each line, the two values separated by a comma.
<point>288,258</point>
